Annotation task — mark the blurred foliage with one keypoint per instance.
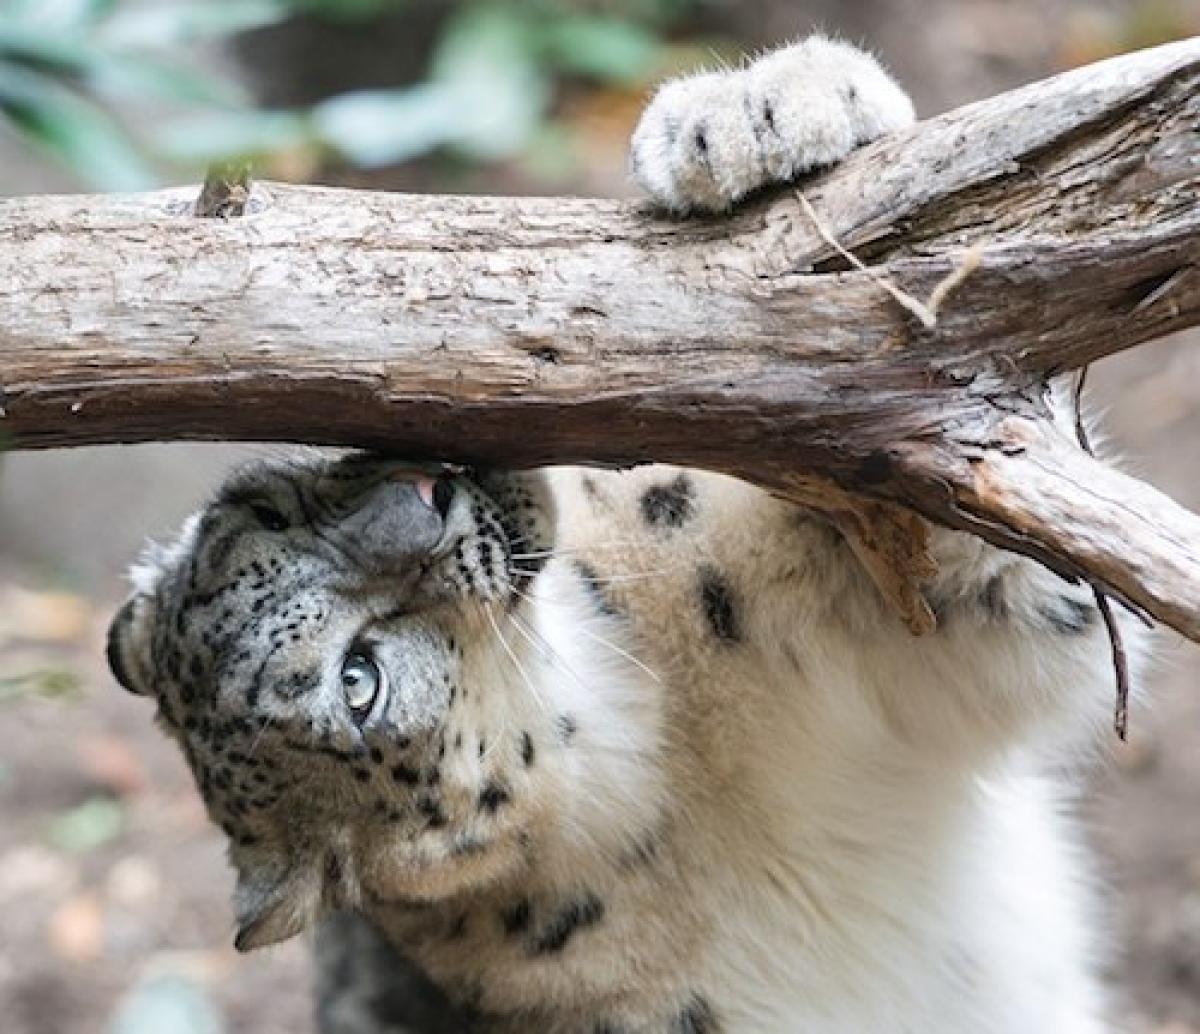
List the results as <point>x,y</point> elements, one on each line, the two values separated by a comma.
<point>77,76</point>
<point>97,821</point>
<point>51,684</point>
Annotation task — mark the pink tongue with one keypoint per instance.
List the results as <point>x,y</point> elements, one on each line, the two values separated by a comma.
<point>423,484</point>
<point>425,490</point>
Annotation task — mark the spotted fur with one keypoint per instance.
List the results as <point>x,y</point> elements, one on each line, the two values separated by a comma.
<point>650,755</point>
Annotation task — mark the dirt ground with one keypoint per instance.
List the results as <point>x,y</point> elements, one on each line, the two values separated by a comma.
<point>113,889</point>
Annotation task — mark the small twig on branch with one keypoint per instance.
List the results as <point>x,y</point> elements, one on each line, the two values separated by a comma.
<point>1115,639</point>
<point>226,191</point>
<point>926,312</point>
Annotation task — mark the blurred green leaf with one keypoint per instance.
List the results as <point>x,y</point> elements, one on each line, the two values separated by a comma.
<point>172,25</point>
<point>52,684</point>
<point>90,825</point>
<point>377,127</point>
<point>39,50</point>
<point>607,49</point>
<point>142,78</point>
<point>112,73</point>
<point>234,134</point>
<point>70,15</point>
<point>486,59</point>
<point>73,130</point>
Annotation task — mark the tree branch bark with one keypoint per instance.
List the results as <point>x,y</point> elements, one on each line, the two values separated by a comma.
<point>529,331</point>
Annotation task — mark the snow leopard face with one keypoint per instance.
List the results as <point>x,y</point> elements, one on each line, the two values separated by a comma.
<point>306,639</point>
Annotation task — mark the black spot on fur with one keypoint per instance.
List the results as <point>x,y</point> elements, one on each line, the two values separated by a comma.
<point>716,599</point>
<point>431,808</point>
<point>467,845</point>
<point>992,601</point>
<point>670,505</point>
<point>493,797</point>
<point>333,868</point>
<point>516,919</point>
<point>696,1018</point>
<point>768,114</point>
<point>406,775</point>
<point>643,852</point>
<point>578,915</point>
<point>1068,616</point>
<point>592,581</point>
<point>567,727</point>
<point>526,749</point>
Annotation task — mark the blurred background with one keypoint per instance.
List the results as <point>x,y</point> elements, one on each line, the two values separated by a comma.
<point>113,890</point>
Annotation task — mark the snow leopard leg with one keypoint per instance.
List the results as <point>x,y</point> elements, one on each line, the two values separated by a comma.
<point>365,987</point>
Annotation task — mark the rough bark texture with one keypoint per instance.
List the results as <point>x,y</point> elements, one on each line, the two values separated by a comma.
<point>553,330</point>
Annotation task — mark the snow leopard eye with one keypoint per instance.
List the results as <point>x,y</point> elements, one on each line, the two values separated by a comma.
<point>362,682</point>
<point>269,517</point>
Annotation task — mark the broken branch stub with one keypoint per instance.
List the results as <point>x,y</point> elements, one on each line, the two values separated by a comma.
<point>1063,219</point>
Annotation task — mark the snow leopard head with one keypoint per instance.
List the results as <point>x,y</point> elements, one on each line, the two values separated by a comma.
<point>308,641</point>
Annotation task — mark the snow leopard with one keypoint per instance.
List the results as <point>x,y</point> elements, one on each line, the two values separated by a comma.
<point>583,751</point>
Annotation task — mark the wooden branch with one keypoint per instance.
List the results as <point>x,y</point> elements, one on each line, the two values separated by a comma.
<point>536,331</point>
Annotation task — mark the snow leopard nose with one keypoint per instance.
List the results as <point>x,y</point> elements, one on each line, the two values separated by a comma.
<point>402,516</point>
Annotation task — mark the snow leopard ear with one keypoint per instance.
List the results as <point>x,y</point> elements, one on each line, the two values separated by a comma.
<point>131,633</point>
<point>271,911</point>
<point>128,648</point>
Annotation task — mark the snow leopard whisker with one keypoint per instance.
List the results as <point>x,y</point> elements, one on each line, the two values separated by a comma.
<point>620,652</point>
<point>540,643</point>
<point>614,579</point>
<point>596,639</point>
<point>262,729</point>
<point>516,663</point>
<point>639,576</point>
<point>591,547</point>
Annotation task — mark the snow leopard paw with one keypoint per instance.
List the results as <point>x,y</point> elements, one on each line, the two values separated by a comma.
<point>706,141</point>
